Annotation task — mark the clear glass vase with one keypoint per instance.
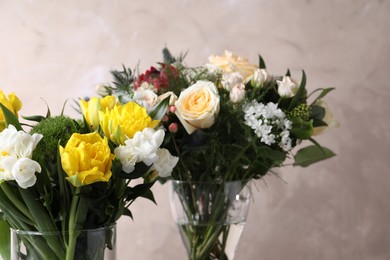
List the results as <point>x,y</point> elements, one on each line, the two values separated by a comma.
<point>210,216</point>
<point>91,244</point>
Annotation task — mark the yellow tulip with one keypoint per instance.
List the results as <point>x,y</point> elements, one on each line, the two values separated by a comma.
<point>12,103</point>
<point>123,121</point>
<point>90,109</point>
<point>86,159</point>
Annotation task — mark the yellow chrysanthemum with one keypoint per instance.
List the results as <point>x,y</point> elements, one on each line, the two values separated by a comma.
<point>12,103</point>
<point>123,121</point>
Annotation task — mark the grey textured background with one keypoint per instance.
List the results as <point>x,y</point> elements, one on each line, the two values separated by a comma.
<point>338,209</point>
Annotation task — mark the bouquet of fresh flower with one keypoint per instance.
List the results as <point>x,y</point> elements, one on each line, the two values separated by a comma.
<point>228,120</point>
<point>61,176</point>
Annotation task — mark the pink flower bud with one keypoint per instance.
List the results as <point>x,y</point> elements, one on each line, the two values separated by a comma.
<point>172,109</point>
<point>165,118</point>
<point>173,127</point>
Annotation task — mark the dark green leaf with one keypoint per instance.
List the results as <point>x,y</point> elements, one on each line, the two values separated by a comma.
<point>261,63</point>
<point>312,154</point>
<point>317,112</point>
<point>160,110</point>
<point>300,93</point>
<point>149,195</point>
<point>37,118</point>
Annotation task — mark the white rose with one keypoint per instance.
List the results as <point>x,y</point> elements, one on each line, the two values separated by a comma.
<point>287,87</point>
<point>198,106</point>
<point>165,163</point>
<point>237,94</point>
<point>260,76</point>
<point>229,80</point>
<point>145,96</point>
<point>24,172</point>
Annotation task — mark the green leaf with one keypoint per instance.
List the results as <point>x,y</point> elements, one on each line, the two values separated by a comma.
<point>323,93</point>
<point>261,63</point>
<point>4,238</point>
<point>312,154</point>
<point>160,110</point>
<point>37,118</point>
<point>317,112</point>
<point>10,118</point>
<point>302,129</point>
<point>300,93</point>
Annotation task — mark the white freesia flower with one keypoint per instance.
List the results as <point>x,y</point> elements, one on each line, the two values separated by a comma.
<point>6,165</point>
<point>26,144</point>
<point>229,80</point>
<point>165,163</point>
<point>287,87</point>
<point>24,171</point>
<point>237,93</point>
<point>16,148</point>
<point>141,148</point>
<point>127,157</point>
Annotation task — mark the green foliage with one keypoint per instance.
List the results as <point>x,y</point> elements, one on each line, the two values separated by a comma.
<point>56,131</point>
<point>4,238</point>
<point>312,154</point>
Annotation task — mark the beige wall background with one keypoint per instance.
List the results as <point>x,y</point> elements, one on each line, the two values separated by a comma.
<point>337,209</point>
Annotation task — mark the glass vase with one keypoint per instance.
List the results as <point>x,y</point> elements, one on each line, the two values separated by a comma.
<point>91,244</point>
<point>210,216</point>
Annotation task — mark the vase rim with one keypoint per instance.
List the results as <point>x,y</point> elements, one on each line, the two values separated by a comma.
<point>55,232</point>
<point>210,182</point>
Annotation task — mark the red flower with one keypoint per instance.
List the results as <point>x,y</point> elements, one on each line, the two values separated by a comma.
<point>159,79</point>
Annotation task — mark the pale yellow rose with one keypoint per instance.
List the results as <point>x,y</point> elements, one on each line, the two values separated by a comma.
<point>198,106</point>
<point>329,119</point>
<point>90,109</point>
<point>12,103</point>
<point>230,62</point>
<point>123,121</point>
<point>86,159</point>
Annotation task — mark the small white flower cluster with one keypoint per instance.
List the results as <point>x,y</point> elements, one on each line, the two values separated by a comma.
<point>269,123</point>
<point>145,147</point>
<point>16,148</point>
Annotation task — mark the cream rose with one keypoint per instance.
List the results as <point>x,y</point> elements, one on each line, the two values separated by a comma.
<point>198,106</point>
<point>230,62</point>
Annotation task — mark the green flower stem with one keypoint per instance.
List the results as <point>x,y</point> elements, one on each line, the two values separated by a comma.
<point>19,205</point>
<point>78,214</point>
<point>70,249</point>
